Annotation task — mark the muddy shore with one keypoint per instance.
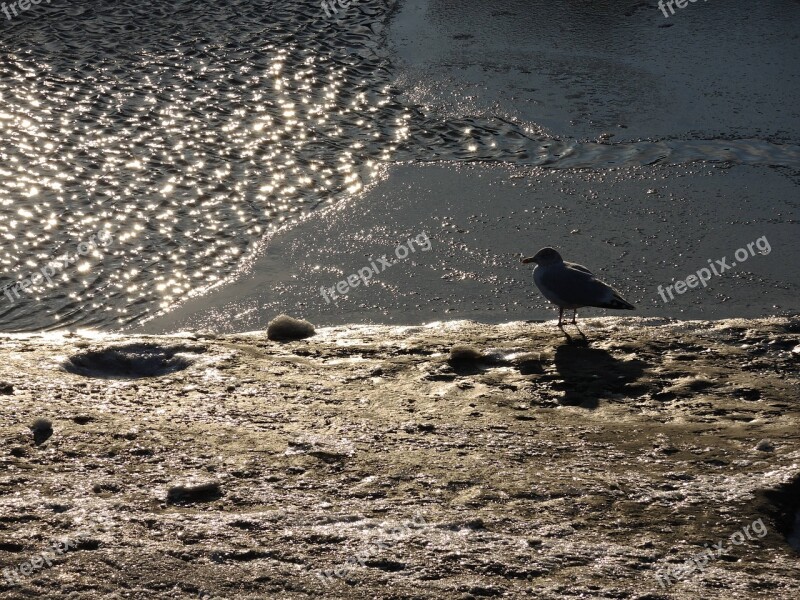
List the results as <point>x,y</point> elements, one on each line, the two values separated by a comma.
<point>239,467</point>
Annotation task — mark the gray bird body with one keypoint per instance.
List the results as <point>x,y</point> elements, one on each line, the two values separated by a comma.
<point>568,285</point>
<point>572,286</point>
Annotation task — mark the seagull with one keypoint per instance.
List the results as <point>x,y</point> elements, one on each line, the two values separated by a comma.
<point>568,285</point>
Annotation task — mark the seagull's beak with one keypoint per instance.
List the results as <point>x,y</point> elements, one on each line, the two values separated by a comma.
<point>530,259</point>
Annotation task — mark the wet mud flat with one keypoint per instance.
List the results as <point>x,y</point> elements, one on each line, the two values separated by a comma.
<point>636,228</point>
<point>525,465</point>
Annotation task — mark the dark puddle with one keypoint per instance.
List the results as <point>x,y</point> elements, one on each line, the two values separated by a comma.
<point>132,361</point>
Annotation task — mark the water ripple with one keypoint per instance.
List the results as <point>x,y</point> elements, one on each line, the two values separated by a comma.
<point>186,131</point>
<point>185,141</point>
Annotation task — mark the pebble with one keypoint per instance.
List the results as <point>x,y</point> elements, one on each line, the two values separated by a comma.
<point>42,430</point>
<point>765,446</point>
<point>197,491</point>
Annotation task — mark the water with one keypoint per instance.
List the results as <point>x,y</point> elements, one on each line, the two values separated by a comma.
<point>183,132</point>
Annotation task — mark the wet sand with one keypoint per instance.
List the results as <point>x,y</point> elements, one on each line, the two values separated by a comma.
<point>580,69</point>
<point>637,228</point>
<point>545,469</point>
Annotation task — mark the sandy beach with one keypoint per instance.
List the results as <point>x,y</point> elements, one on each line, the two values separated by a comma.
<point>380,172</point>
<point>239,467</point>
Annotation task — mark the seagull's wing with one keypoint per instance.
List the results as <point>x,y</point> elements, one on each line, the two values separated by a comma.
<point>577,267</point>
<point>574,285</point>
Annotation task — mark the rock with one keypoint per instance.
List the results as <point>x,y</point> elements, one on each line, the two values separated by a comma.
<point>131,361</point>
<point>6,388</point>
<point>419,427</point>
<point>191,492</point>
<point>284,328</point>
<point>464,354</point>
<point>42,430</point>
<point>105,487</point>
<point>765,446</point>
<point>466,360</point>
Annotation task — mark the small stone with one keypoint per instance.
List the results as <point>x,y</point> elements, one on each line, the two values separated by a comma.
<point>42,430</point>
<point>284,328</point>
<point>191,492</point>
<point>8,389</point>
<point>464,354</point>
<point>419,427</point>
<point>765,446</point>
<point>105,487</point>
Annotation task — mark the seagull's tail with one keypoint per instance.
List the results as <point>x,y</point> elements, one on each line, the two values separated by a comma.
<point>617,302</point>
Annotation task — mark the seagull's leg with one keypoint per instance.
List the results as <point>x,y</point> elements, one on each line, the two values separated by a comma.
<point>560,314</point>
<point>574,314</point>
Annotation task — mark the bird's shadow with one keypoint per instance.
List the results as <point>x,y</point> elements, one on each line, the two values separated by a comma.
<point>582,341</point>
<point>590,373</point>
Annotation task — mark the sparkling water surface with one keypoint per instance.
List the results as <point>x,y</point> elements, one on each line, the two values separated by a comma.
<point>183,133</point>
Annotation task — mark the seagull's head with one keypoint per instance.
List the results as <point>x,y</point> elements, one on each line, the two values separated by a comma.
<point>545,256</point>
